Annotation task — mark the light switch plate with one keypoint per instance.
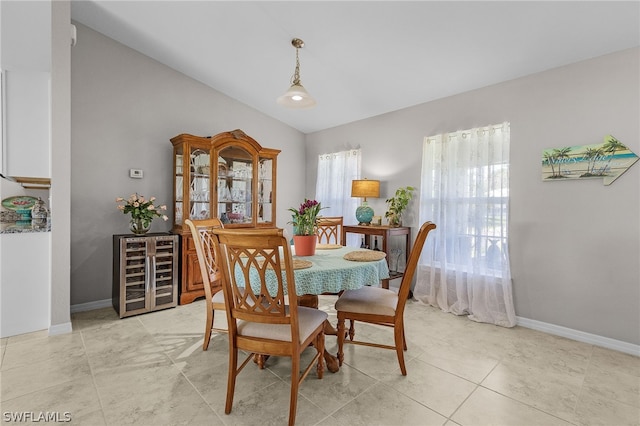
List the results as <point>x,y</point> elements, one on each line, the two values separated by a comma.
<point>136,173</point>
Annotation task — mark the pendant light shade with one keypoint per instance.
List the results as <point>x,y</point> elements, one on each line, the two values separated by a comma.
<point>297,96</point>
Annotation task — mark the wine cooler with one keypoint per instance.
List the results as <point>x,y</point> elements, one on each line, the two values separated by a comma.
<point>145,273</point>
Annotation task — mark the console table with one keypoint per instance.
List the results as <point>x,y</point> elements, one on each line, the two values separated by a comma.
<point>385,232</point>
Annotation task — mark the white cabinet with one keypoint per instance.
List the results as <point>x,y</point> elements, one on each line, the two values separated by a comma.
<point>27,124</point>
<point>25,60</point>
<point>25,35</point>
<point>25,277</point>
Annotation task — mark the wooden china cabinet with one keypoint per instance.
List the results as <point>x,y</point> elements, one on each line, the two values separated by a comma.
<point>229,176</point>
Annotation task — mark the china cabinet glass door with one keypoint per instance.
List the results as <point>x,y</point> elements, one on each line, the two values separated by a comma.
<point>265,190</point>
<point>235,185</point>
<point>199,192</point>
<point>178,191</point>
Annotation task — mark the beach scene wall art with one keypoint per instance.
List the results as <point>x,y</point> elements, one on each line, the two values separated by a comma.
<point>607,161</point>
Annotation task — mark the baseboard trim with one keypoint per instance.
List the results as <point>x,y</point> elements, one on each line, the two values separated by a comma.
<point>63,328</point>
<point>90,306</point>
<point>580,336</point>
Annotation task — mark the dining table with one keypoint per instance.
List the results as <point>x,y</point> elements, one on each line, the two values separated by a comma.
<point>329,271</point>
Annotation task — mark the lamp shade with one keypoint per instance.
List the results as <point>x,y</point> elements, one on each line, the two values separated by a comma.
<point>296,97</point>
<point>365,188</point>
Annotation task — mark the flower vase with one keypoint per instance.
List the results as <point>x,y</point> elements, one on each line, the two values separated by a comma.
<point>139,226</point>
<point>305,245</point>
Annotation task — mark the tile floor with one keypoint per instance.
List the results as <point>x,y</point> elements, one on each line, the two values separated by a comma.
<point>151,370</point>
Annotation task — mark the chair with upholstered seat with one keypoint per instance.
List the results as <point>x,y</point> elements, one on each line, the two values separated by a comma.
<point>257,276</point>
<point>329,230</point>
<point>201,233</point>
<point>381,306</point>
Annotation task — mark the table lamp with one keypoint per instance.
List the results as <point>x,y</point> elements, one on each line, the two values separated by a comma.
<point>365,188</point>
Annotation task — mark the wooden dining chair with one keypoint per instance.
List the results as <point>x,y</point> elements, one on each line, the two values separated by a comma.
<point>381,306</point>
<point>202,239</point>
<point>329,230</point>
<point>260,320</point>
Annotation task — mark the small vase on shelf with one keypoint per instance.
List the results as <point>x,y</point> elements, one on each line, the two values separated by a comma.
<point>139,226</point>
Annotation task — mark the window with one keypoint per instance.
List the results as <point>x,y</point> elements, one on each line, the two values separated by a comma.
<point>465,192</point>
<point>333,186</point>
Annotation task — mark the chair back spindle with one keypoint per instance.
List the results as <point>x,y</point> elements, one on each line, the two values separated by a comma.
<point>329,230</point>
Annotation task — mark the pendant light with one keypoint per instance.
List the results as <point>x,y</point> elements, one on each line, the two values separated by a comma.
<point>297,96</point>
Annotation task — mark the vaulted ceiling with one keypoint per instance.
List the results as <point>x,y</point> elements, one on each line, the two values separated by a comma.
<point>361,58</point>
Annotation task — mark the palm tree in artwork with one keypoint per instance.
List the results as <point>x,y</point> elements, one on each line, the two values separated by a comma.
<point>550,160</point>
<point>610,146</point>
<point>592,155</point>
<point>558,155</point>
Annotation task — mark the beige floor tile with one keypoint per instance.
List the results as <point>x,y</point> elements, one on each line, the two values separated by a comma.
<point>190,319</point>
<point>594,410</point>
<point>124,342</point>
<point>376,361</point>
<point>96,318</point>
<point>464,362</point>
<point>551,392</point>
<point>151,369</point>
<point>612,384</point>
<point>151,395</point>
<point>432,387</point>
<point>335,390</point>
<point>78,398</point>
<point>614,361</point>
<point>95,418</point>
<point>550,353</point>
<point>486,340</point>
<point>30,352</point>
<point>380,405</point>
<point>22,380</point>
<point>485,407</point>
<point>207,372</point>
<point>270,406</point>
<point>36,335</point>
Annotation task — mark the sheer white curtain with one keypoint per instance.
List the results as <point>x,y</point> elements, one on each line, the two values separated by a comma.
<point>464,268</point>
<point>333,186</point>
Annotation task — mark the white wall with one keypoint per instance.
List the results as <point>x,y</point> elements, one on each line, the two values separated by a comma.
<point>124,109</point>
<point>574,245</point>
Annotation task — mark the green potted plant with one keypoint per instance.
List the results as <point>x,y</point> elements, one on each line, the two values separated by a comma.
<point>398,204</point>
<point>304,220</point>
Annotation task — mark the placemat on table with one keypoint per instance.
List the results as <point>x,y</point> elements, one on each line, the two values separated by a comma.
<point>365,255</point>
<point>297,264</point>
<point>328,246</point>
